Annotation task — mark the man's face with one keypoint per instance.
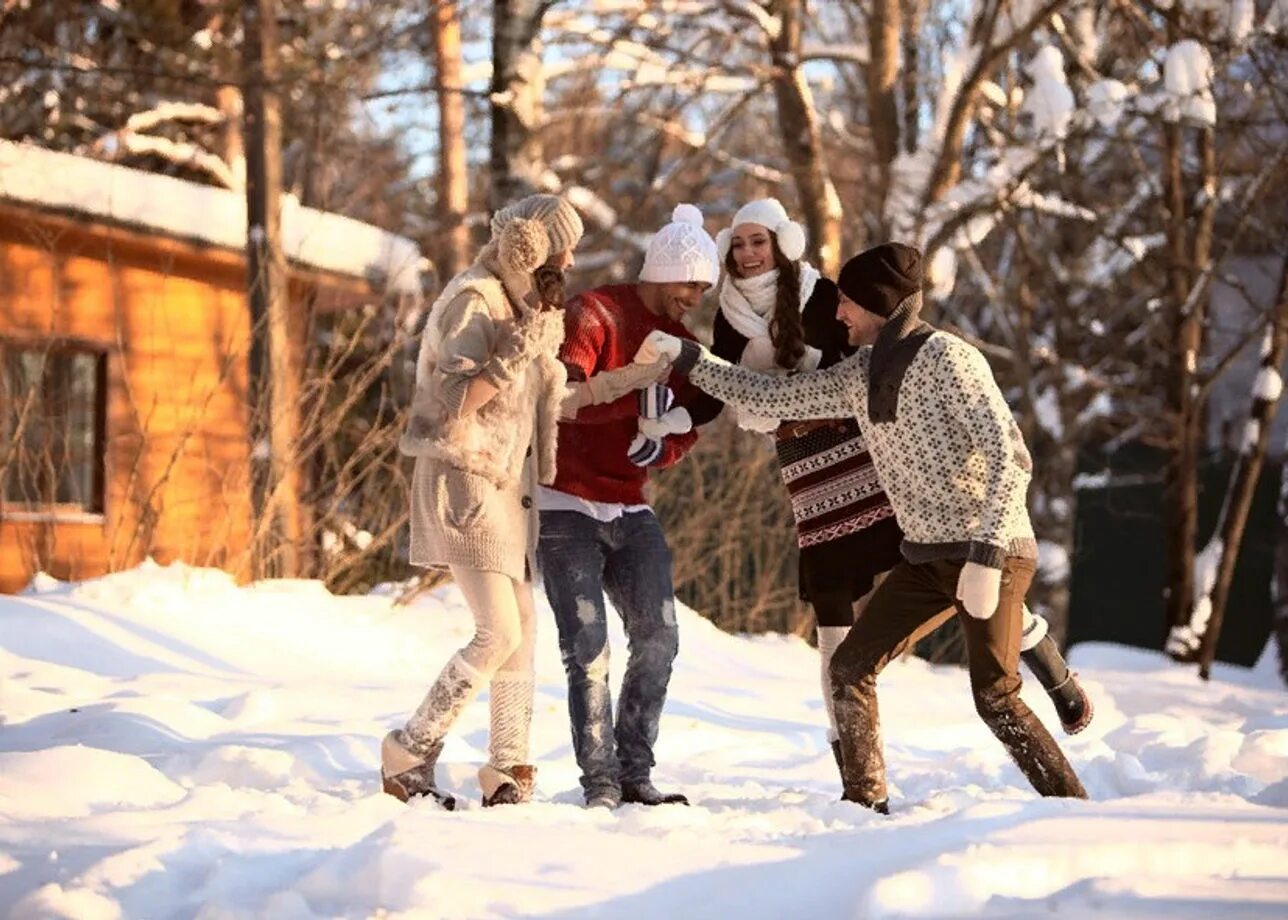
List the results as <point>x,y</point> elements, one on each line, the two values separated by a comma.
<point>679,297</point>
<point>862,325</point>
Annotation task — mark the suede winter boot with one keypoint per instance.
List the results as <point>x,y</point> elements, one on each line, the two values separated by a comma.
<point>511,786</point>
<point>645,793</point>
<point>407,769</point>
<point>1072,704</point>
<point>836,753</point>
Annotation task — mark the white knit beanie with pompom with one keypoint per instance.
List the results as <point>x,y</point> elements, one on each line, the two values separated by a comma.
<point>770,214</point>
<point>682,250</point>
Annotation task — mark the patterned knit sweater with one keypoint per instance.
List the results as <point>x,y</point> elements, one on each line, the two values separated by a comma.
<point>829,474</point>
<point>603,329</point>
<point>953,464</point>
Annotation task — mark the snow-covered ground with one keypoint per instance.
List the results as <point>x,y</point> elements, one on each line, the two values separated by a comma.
<point>172,745</point>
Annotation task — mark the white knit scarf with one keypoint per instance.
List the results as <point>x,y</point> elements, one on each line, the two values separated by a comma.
<point>748,305</point>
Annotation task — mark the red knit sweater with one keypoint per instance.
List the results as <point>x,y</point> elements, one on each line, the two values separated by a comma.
<point>604,328</point>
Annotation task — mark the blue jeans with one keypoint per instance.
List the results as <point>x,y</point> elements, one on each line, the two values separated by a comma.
<point>581,560</point>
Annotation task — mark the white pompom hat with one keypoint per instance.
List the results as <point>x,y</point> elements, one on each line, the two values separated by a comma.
<point>682,250</point>
<point>770,214</point>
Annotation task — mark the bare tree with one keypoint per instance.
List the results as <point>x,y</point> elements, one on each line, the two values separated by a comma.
<point>518,84</point>
<point>274,382</point>
<point>798,123</point>
<point>453,188</point>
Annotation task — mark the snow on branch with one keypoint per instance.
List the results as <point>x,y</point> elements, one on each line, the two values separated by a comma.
<point>1185,639</point>
<point>173,111</point>
<point>854,54</point>
<point>770,24</point>
<point>180,153</point>
<point>1187,78</point>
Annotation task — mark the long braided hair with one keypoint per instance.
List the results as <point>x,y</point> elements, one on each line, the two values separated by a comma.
<point>785,329</point>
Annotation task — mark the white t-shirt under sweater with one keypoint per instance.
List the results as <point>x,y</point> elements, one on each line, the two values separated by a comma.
<point>549,499</point>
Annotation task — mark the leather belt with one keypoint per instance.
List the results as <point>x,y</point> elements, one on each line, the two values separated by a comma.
<point>789,430</point>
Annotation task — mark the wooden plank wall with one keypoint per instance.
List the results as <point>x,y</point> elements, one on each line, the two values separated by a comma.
<point>172,319</point>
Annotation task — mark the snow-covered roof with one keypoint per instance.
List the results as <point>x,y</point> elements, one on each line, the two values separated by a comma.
<point>164,204</point>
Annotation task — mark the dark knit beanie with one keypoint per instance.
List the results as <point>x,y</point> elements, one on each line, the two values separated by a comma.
<point>879,278</point>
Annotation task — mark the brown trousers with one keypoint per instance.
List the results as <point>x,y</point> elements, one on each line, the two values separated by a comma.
<point>912,602</point>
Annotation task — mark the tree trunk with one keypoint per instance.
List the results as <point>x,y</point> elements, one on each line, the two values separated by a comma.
<point>516,98</point>
<point>802,145</point>
<point>274,383</point>
<point>914,14</point>
<point>1181,491</point>
<point>453,188</point>
<point>228,98</point>
<point>882,72</point>
<point>1279,582</point>
<point>1243,482</point>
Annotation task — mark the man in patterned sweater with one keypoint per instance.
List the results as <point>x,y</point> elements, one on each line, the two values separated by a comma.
<point>956,470</point>
<point>598,534</point>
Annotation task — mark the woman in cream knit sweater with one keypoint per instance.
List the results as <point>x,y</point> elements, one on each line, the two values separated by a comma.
<point>489,393</point>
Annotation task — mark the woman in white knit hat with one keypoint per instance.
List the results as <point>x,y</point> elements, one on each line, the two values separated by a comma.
<point>489,393</point>
<point>777,314</point>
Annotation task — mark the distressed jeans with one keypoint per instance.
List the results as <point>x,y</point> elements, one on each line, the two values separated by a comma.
<point>627,559</point>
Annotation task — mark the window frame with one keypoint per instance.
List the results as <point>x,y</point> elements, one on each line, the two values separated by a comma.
<point>71,512</point>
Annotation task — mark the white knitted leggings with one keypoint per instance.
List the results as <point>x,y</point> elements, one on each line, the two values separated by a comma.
<point>499,654</point>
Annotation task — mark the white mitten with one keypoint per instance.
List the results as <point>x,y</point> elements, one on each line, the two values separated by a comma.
<point>979,588</point>
<point>659,346</point>
<point>677,421</point>
<point>758,355</point>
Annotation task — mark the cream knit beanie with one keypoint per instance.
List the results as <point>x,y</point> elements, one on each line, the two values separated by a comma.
<point>682,250</point>
<point>560,219</point>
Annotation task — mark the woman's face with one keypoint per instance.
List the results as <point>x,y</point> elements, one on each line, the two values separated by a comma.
<point>752,249</point>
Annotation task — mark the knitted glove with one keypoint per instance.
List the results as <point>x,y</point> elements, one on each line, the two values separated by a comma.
<point>655,400</point>
<point>610,386</point>
<point>659,346</point>
<point>677,421</point>
<point>644,451</point>
<point>979,588</point>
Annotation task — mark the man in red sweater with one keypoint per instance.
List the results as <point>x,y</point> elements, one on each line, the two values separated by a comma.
<point>598,534</point>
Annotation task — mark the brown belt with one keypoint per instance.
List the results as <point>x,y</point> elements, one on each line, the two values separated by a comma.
<point>789,430</point>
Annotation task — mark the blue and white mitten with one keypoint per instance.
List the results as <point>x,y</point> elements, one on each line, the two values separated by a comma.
<point>655,400</point>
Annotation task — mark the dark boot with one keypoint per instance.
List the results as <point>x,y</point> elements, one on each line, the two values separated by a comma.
<point>512,786</point>
<point>836,753</point>
<point>645,793</point>
<point>407,769</point>
<point>1071,702</point>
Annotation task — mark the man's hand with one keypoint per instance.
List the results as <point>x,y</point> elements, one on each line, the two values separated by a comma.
<point>677,421</point>
<point>659,346</point>
<point>979,588</point>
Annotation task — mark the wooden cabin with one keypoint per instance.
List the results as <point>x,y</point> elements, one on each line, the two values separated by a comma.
<point>124,337</point>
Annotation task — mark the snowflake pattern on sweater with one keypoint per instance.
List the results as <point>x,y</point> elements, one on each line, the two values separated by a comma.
<point>954,464</point>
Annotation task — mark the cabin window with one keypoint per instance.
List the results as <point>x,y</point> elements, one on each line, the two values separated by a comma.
<point>53,407</point>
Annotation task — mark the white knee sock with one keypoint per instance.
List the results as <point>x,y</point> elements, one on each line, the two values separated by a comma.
<point>829,637</point>
<point>511,703</point>
<point>1033,630</point>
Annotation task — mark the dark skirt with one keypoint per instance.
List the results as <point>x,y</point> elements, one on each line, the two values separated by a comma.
<point>849,563</point>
